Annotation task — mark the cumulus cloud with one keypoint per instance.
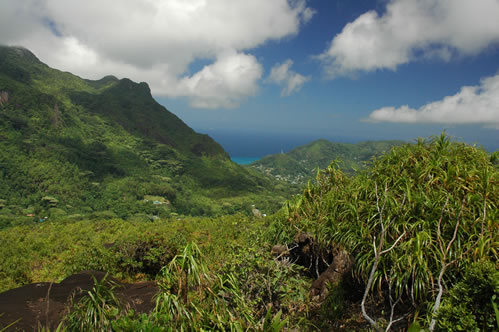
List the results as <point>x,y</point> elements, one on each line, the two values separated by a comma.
<point>230,79</point>
<point>291,81</point>
<point>156,40</point>
<point>410,30</point>
<point>472,105</point>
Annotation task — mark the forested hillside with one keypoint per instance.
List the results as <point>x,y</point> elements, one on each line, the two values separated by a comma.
<point>301,164</point>
<point>72,147</point>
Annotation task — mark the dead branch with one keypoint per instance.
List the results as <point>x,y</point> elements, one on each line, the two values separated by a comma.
<point>444,263</point>
<point>377,256</point>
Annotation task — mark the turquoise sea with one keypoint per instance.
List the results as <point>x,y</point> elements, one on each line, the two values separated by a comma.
<point>244,160</point>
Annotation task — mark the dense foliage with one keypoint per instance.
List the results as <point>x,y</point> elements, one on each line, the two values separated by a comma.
<point>213,273</point>
<point>72,147</point>
<point>469,306</point>
<point>418,218</point>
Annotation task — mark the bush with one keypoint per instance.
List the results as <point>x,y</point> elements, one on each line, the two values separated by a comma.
<point>263,281</point>
<point>96,310</point>
<point>469,303</point>
<point>145,256</point>
<point>422,205</point>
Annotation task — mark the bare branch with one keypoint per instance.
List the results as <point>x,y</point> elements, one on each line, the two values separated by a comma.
<point>439,296</point>
<point>439,232</point>
<point>394,244</point>
<point>445,265</point>
<point>455,228</point>
<point>484,215</point>
<point>317,265</point>
<point>377,256</point>
<point>366,292</point>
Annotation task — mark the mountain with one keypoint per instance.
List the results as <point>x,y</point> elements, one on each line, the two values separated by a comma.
<point>71,146</point>
<point>300,164</point>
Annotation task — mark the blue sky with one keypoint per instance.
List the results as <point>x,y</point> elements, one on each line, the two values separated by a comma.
<point>343,70</point>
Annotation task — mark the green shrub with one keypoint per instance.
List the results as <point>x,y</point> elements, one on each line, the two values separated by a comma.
<point>146,256</point>
<point>140,217</point>
<point>263,281</point>
<point>132,322</point>
<point>96,310</point>
<point>91,257</point>
<point>74,217</point>
<point>469,304</point>
<point>335,304</point>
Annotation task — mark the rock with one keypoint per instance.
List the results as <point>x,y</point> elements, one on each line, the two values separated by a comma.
<point>341,266</point>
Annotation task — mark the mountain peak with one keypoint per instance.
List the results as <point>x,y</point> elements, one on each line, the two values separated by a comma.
<point>19,52</point>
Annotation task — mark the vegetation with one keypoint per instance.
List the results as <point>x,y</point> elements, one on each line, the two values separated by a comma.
<point>74,147</point>
<point>96,310</point>
<point>469,305</point>
<point>213,273</point>
<point>89,182</point>
<point>414,222</point>
<point>420,254</point>
<point>300,164</point>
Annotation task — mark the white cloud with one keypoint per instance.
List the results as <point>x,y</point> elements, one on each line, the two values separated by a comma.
<point>223,84</point>
<point>291,81</point>
<point>471,105</point>
<point>412,29</point>
<point>156,40</point>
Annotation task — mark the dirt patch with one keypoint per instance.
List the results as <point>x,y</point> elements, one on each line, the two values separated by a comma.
<point>45,304</point>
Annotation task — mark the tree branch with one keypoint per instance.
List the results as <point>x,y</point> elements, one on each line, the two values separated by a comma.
<point>377,256</point>
<point>444,265</point>
<point>394,244</point>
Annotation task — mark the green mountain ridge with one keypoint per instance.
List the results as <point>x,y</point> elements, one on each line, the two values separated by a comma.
<point>105,145</point>
<point>125,102</point>
<point>301,163</point>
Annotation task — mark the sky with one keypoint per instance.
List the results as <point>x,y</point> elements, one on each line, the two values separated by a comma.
<point>296,70</point>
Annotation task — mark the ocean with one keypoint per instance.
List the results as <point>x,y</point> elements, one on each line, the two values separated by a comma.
<point>248,147</point>
<point>244,160</point>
